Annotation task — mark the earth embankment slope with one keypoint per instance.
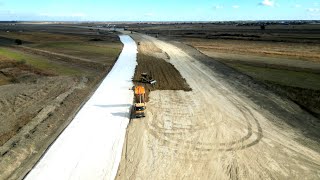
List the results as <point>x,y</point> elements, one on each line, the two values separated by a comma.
<point>227,127</point>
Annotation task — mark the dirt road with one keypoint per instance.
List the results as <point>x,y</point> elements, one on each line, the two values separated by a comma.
<point>217,132</point>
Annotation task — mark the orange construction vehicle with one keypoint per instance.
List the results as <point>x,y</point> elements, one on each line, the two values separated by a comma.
<point>140,104</point>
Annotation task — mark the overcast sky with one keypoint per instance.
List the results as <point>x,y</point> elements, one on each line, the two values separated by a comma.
<point>158,10</point>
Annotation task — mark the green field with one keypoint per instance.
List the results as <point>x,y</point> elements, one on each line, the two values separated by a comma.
<point>38,37</point>
<point>38,62</point>
<point>307,80</point>
<point>98,52</point>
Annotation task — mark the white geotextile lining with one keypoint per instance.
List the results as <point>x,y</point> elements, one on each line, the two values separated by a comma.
<point>91,146</point>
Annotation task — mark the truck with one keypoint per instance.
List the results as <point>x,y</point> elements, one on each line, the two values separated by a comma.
<point>139,105</point>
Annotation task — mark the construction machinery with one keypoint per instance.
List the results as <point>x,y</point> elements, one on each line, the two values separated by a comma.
<point>146,78</point>
<point>140,105</point>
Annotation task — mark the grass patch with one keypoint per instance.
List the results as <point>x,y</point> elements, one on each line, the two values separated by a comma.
<point>4,80</point>
<point>282,77</point>
<point>303,88</point>
<point>38,62</point>
<point>99,52</point>
<point>40,36</point>
<point>308,99</point>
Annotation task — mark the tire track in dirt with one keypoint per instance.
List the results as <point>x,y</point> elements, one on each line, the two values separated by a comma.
<point>170,135</point>
<point>176,111</point>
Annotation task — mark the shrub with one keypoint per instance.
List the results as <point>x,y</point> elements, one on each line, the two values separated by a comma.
<point>22,61</point>
<point>18,41</point>
<point>96,39</point>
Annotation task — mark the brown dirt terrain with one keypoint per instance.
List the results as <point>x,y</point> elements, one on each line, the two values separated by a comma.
<point>166,75</point>
<point>228,127</point>
<point>16,98</point>
<point>42,90</point>
<point>294,50</point>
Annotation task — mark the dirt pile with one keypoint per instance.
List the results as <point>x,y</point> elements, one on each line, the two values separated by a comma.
<point>166,75</point>
<point>156,63</point>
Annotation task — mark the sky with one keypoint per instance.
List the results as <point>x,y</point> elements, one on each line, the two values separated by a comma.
<point>158,10</point>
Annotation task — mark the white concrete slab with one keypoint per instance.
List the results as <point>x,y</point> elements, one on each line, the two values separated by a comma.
<point>90,147</point>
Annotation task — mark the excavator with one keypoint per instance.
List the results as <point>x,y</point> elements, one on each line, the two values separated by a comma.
<point>140,105</point>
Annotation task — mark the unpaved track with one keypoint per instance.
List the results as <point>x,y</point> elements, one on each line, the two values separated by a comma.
<point>214,132</point>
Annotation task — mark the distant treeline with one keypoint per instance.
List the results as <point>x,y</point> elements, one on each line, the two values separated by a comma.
<point>6,22</point>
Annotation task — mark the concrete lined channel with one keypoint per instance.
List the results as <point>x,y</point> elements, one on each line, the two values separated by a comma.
<point>90,147</point>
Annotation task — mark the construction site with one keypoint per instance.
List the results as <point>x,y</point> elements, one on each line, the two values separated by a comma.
<point>159,101</point>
